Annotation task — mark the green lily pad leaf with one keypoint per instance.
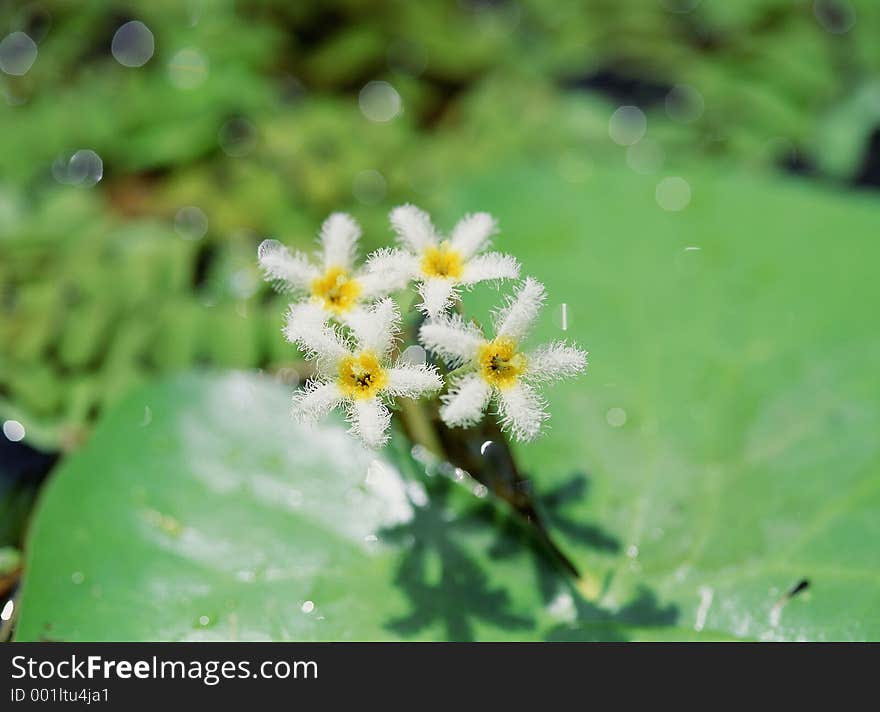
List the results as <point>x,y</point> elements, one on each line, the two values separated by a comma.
<point>198,511</point>
<point>728,423</point>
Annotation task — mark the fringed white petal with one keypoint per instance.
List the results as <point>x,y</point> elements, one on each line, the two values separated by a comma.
<point>472,233</point>
<point>354,315</point>
<point>554,361</point>
<point>307,328</point>
<point>522,411</point>
<point>437,294</point>
<point>455,341</point>
<point>369,420</point>
<point>393,263</point>
<point>387,270</point>
<point>376,328</point>
<point>339,236</point>
<point>492,265</point>
<point>374,286</point>
<point>413,227</point>
<point>287,271</point>
<point>466,402</point>
<point>411,381</point>
<point>315,401</point>
<point>514,320</point>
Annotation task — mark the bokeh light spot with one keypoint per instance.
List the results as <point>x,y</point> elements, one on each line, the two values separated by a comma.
<point>18,52</point>
<point>369,187</point>
<point>237,137</point>
<point>616,417</point>
<point>133,44</point>
<point>84,168</point>
<point>188,69</point>
<point>191,223</point>
<point>673,193</point>
<point>627,125</point>
<point>379,101</point>
<point>13,430</point>
<point>835,16</point>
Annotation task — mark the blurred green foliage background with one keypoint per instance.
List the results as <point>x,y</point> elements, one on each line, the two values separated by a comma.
<point>249,113</point>
<point>132,198</point>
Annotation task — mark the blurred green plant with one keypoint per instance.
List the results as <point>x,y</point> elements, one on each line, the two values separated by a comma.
<point>257,125</point>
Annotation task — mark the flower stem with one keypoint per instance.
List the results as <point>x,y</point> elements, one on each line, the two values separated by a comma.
<point>484,452</point>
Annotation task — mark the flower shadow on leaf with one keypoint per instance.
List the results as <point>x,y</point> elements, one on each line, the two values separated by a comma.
<point>461,592</point>
<point>513,539</point>
<point>446,585</point>
<point>591,622</point>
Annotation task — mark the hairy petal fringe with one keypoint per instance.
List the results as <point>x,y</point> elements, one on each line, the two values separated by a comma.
<point>314,401</point>
<point>466,402</point>
<point>411,381</point>
<point>308,329</point>
<point>286,271</point>
<point>413,227</point>
<point>339,236</point>
<point>555,361</point>
<point>515,319</point>
<point>376,328</point>
<point>451,338</point>
<point>370,420</point>
<point>437,295</point>
<point>472,234</point>
<point>491,266</point>
<point>522,411</point>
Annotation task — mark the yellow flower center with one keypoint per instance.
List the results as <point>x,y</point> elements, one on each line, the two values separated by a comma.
<point>361,375</point>
<point>442,261</point>
<point>336,290</point>
<point>500,363</point>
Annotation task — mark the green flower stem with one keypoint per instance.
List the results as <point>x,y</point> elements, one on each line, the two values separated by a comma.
<point>483,451</point>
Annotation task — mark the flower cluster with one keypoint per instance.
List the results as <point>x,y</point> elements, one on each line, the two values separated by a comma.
<point>344,320</point>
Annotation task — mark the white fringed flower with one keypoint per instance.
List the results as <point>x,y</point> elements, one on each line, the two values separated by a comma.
<point>497,369</point>
<point>355,373</point>
<point>438,264</point>
<point>333,284</point>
